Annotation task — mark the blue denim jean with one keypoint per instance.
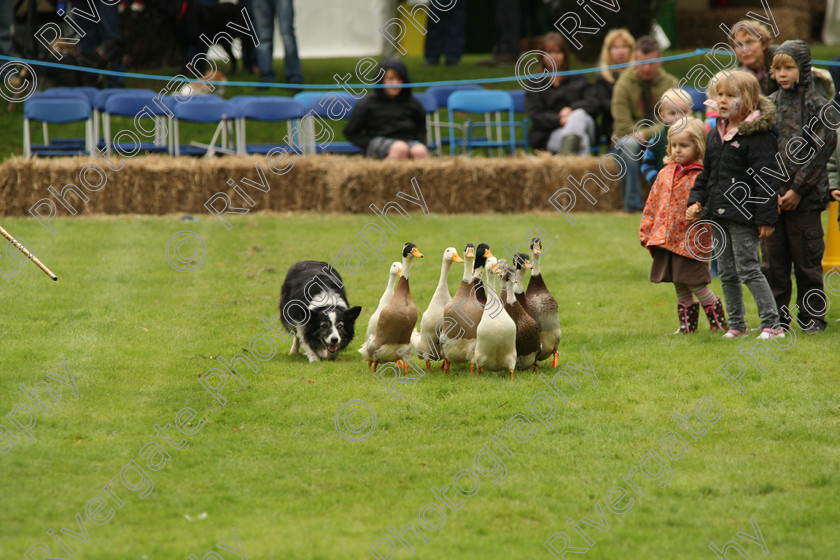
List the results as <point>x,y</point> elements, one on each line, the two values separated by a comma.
<point>736,249</point>
<point>265,13</point>
<point>630,151</point>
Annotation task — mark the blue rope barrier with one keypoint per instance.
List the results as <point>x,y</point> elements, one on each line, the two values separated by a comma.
<point>504,79</point>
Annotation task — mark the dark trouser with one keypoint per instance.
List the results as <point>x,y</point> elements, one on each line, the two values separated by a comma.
<point>797,241</point>
<point>7,9</point>
<point>108,27</point>
<point>507,29</point>
<point>448,35</point>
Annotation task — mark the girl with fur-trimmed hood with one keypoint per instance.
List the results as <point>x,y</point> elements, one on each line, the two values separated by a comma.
<point>741,208</point>
<point>805,145</point>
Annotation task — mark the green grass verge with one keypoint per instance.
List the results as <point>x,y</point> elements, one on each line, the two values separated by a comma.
<point>137,334</point>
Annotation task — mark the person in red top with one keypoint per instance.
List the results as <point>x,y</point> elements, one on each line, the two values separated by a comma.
<point>681,253</point>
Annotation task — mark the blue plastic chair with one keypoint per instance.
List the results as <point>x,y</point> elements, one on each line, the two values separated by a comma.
<point>488,102</point>
<point>56,110</point>
<point>98,106</point>
<point>268,109</point>
<point>130,104</point>
<point>89,92</point>
<point>430,106</point>
<point>697,98</point>
<point>518,96</point>
<point>304,97</point>
<point>334,106</point>
<point>441,95</point>
<point>205,111</point>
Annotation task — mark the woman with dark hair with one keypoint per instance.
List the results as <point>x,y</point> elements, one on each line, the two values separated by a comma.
<point>561,108</point>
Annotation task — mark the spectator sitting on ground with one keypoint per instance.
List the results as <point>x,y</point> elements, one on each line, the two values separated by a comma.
<point>619,47</point>
<point>634,96</point>
<point>389,123</point>
<point>560,107</point>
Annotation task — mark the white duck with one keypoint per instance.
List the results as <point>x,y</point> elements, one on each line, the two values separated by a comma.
<point>393,274</point>
<point>543,308</point>
<point>495,346</point>
<point>392,339</point>
<point>427,341</point>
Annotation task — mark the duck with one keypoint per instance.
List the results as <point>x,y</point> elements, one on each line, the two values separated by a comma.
<point>527,331</point>
<point>427,341</point>
<point>463,313</point>
<point>543,307</point>
<point>495,346</point>
<point>521,261</point>
<point>393,274</point>
<point>392,339</point>
<point>482,253</point>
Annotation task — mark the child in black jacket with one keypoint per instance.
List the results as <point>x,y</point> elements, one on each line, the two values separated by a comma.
<point>736,196</point>
<point>389,122</point>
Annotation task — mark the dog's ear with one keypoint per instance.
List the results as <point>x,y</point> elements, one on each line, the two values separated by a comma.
<point>352,314</point>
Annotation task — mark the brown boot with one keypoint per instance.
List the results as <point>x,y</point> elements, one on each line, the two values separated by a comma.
<point>689,315</point>
<point>716,316</point>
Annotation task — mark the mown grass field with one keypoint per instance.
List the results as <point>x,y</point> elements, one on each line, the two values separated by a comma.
<point>137,334</point>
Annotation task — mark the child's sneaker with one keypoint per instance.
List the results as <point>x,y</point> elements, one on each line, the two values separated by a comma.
<point>733,333</point>
<point>772,333</point>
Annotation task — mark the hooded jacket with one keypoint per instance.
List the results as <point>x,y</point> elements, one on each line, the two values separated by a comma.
<point>663,220</point>
<point>725,169</point>
<point>795,108</point>
<point>401,117</point>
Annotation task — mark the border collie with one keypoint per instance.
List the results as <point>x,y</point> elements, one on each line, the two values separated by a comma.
<point>313,307</point>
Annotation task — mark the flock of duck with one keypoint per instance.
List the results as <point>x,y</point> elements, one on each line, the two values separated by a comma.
<point>492,323</point>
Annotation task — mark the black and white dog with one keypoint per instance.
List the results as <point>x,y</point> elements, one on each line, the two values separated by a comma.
<point>314,308</point>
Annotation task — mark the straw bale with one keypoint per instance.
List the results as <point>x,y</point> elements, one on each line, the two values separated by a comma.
<point>702,28</point>
<point>157,184</point>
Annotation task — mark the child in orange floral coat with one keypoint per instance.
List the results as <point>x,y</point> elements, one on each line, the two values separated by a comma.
<point>681,252</point>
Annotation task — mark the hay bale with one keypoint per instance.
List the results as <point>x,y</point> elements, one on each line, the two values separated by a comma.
<point>702,28</point>
<point>325,183</point>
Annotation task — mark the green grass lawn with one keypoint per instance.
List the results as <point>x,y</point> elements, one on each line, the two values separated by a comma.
<point>137,334</point>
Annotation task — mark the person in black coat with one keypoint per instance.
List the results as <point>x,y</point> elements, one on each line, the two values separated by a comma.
<point>738,197</point>
<point>561,108</point>
<point>389,122</point>
<point>619,48</point>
